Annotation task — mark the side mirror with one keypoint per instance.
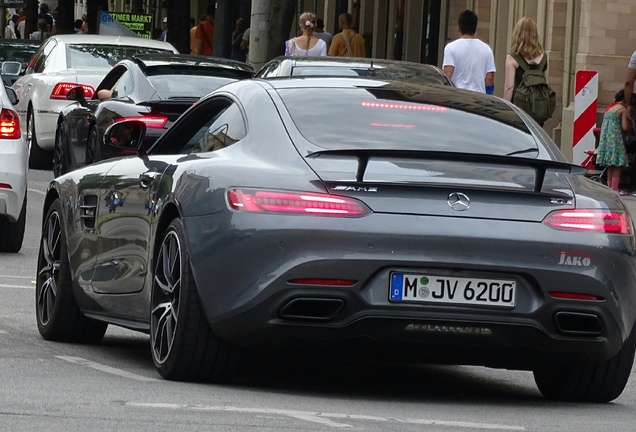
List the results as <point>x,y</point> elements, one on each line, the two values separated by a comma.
<point>126,135</point>
<point>13,96</point>
<point>76,94</point>
<point>11,68</point>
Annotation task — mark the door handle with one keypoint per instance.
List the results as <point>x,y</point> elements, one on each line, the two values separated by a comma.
<point>146,179</point>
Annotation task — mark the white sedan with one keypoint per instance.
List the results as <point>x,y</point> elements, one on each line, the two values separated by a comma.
<point>13,168</point>
<point>61,63</point>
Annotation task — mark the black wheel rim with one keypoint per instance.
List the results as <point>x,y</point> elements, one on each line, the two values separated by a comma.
<point>166,289</point>
<point>49,268</point>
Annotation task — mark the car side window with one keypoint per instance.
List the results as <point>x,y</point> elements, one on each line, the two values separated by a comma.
<point>42,60</point>
<point>270,70</point>
<point>123,86</point>
<point>224,129</point>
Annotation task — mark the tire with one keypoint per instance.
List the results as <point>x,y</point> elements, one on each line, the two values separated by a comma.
<point>12,233</point>
<point>183,346</point>
<point>589,382</point>
<point>60,154</point>
<point>93,152</point>
<point>38,157</point>
<point>58,316</point>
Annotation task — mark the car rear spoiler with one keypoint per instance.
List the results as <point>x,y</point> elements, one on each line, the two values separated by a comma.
<point>170,106</point>
<point>539,165</point>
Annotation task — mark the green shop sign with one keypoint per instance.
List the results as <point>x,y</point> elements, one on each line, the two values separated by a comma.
<point>139,23</point>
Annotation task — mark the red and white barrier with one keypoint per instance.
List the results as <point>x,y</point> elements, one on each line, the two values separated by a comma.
<point>585,106</point>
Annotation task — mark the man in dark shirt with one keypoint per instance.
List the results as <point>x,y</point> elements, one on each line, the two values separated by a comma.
<point>44,14</point>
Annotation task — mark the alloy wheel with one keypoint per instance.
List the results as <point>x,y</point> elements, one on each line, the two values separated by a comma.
<point>166,290</point>
<point>30,129</point>
<point>48,275</point>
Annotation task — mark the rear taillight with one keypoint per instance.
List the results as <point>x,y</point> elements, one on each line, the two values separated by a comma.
<point>61,90</point>
<point>263,201</point>
<point>325,282</point>
<point>611,222</point>
<point>9,124</point>
<point>574,296</point>
<point>152,122</point>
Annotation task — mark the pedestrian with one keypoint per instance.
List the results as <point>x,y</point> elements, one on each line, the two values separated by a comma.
<point>347,43</point>
<point>164,30</point>
<point>21,23</point>
<point>84,24</point>
<point>10,29</point>
<point>525,82</point>
<point>320,32</point>
<point>611,147</point>
<point>205,33</point>
<point>468,61</point>
<point>194,42</point>
<point>77,26</point>
<point>306,44</point>
<point>630,100</point>
<point>245,43</point>
<point>42,32</point>
<point>45,15</point>
<point>237,52</point>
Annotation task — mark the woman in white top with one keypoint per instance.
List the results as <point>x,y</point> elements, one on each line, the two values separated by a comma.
<point>307,44</point>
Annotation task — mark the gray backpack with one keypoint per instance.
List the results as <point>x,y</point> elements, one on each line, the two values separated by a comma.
<point>533,94</point>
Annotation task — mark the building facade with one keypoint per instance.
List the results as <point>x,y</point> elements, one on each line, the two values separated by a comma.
<point>577,35</point>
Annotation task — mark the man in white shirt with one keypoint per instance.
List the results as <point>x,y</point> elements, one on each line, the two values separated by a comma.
<point>468,61</point>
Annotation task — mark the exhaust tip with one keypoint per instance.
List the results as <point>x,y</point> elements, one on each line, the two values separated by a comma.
<point>312,309</point>
<point>578,324</point>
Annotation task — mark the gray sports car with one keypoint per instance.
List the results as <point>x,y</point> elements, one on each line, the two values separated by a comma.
<point>349,217</point>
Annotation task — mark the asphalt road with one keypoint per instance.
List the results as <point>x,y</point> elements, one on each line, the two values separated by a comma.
<point>114,386</point>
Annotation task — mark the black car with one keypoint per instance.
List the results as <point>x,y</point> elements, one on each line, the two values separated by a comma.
<point>16,50</point>
<point>346,217</point>
<point>153,88</point>
<point>354,67</point>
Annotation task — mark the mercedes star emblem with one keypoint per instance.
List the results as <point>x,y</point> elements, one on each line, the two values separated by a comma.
<point>458,201</point>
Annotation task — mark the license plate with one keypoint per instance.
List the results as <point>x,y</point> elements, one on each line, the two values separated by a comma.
<point>427,288</point>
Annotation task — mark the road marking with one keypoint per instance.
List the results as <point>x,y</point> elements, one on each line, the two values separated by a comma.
<point>325,418</point>
<point>18,286</point>
<point>107,369</point>
<point>4,276</point>
<point>3,332</point>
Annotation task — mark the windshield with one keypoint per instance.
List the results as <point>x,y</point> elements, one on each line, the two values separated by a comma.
<point>103,56</point>
<point>191,81</point>
<point>432,118</point>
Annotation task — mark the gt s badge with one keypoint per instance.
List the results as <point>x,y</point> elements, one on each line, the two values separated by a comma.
<point>574,259</point>
<point>356,188</point>
<point>561,201</point>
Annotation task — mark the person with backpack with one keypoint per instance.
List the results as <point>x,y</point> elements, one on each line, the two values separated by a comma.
<point>525,82</point>
<point>347,43</point>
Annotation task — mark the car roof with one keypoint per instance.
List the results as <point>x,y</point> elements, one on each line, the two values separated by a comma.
<point>152,60</point>
<point>85,39</point>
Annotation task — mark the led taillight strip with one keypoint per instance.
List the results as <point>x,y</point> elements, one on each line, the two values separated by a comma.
<point>604,221</point>
<point>267,201</point>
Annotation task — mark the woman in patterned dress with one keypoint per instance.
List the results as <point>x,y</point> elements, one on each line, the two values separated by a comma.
<point>611,148</point>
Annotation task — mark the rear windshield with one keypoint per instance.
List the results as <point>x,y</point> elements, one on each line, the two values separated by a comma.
<point>389,73</point>
<point>175,81</point>
<point>433,118</point>
<point>20,52</point>
<point>103,56</point>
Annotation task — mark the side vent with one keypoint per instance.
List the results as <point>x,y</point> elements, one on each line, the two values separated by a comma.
<point>88,211</point>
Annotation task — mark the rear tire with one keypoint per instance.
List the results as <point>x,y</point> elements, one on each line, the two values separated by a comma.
<point>38,157</point>
<point>183,346</point>
<point>12,233</point>
<point>93,151</point>
<point>589,382</point>
<point>58,315</point>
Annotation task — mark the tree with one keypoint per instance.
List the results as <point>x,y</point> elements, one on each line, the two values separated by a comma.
<point>92,13</point>
<point>66,16</point>
<point>178,25</point>
<point>270,26</point>
<point>32,11</point>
